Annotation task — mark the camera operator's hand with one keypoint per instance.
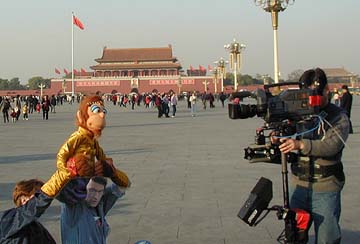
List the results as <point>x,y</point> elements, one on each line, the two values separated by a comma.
<point>274,137</point>
<point>288,145</point>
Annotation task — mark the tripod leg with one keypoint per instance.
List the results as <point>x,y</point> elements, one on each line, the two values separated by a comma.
<point>290,220</point>
<point>285,181</point>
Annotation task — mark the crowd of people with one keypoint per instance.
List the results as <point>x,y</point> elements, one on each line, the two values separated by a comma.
<point>14,107</point>
<point>166,102</point>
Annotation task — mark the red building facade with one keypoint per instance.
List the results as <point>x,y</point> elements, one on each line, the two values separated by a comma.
<point>135,69</point>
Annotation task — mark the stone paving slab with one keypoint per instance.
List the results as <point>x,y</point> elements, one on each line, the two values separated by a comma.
<point>188,173</point>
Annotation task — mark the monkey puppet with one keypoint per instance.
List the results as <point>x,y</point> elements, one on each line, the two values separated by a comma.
<point>91,121</point>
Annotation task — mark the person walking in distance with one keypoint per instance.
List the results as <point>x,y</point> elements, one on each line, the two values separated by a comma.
<point>222,99</point>
<point>45,106</point>
<point>192,100</point>
<point>53,103</point>
<point>188,95</point>
<point>173,102</point>
<point>158,104</point>
<point>346,103</point>
<point>25,111</point>
<point>5,107</point>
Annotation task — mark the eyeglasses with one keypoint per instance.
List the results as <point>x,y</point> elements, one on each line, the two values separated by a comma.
<point>94,191</point>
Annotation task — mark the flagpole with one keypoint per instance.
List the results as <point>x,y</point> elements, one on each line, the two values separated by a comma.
<point>72,55</point>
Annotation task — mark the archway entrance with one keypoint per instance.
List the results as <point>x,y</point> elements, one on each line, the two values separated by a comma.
<point>134,90</point>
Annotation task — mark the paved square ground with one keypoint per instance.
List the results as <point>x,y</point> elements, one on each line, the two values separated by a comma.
<point>188,173</point>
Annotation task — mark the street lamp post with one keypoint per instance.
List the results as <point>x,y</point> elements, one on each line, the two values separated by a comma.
<point>265,79</point>
<point>41,86</point>
<point>235,50</point>
<point>64,85</point>
<point>274,7</point>
<point>179,83</point>
<point>221,71</point>
<point>216,75</point>
<point>205,82</point>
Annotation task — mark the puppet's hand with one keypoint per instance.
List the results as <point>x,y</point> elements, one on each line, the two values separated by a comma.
<point>117,176</point>
<point>99,169</point>
<point>108,167</point>
<point>121,179</point>
<point>79,166</point>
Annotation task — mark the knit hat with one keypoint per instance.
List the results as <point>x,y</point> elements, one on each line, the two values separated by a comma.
<point>314,77</point>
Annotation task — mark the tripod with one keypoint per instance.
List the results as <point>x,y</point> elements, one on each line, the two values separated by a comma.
<point>291,233</point>
<point>296,220</point>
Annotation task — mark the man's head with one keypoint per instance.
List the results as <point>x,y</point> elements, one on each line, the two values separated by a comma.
<point>344,88</point>
<point>24,190</point>
<point>95,190</point>
<point>91,114</point>
<point>316,79</point>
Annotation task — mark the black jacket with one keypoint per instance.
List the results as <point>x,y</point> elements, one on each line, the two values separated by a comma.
<point>20,225</point>
<point>346,102</point>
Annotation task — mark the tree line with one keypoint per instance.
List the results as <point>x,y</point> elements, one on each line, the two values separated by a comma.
<point>244,80</point>
<point>15,83</point>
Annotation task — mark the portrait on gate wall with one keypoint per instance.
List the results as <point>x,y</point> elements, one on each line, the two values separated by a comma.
<point>134,83</point>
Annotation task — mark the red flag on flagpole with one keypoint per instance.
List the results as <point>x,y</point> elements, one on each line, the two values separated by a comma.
<point>77,22</point>
<point>66,72</point>
<point>57,71</point>
<point>191,68</point>
<point>75,71</point>
<point>202,68</point>
<point>83,72</point>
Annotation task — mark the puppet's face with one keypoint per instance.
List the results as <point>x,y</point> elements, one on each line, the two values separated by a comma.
<point>96,121</point>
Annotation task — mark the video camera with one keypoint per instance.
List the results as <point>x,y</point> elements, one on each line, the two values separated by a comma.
<point>291,104</point>
<point>283,113</point>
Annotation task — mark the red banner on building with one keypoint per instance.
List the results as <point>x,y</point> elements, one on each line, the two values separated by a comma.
<point>171,82</point>
<point>162,82</point>
<point>97,83</point>
<point>187,82</point>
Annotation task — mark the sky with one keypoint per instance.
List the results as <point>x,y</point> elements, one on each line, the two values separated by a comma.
<point>36,35</point>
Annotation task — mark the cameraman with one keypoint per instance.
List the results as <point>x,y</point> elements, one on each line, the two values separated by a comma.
<point>318,178</point>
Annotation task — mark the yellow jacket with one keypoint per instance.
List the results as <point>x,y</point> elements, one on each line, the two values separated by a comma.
<point>81,141</point>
